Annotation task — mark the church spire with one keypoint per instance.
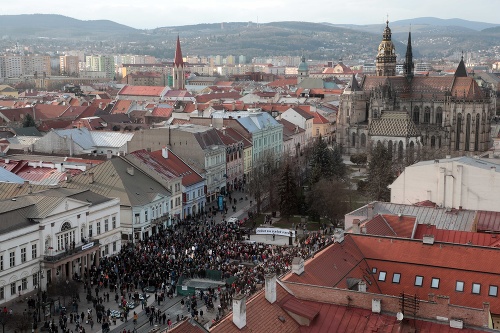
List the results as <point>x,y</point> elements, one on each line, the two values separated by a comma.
<point>178,54</point>
<point>408,65</point>
<point>178,69</point>
<point>461,70</point>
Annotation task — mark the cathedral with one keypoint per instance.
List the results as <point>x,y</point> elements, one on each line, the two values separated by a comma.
<point>409,113</point>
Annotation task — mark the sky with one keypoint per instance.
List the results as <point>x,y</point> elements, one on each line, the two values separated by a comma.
<point>147,14</point>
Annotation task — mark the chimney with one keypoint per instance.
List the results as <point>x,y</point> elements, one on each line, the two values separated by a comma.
<point>91,176</point>
<point>164,152</point>
<point>338,236</point>
<point>376,306</point>
<point>298,265</point>
<point>362,286</point>
<point>240,311</point>
<point>271,287</point>
<point>7,161</point>
<point>130,171</point>
<point>369,209</point>
<point>30,189</point>
<point>355,226</point>
<point>428,239</point>
<point>68,176</point>
<point>26,182</point>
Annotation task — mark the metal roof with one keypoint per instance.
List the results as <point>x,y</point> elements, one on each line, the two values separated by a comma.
<point>80,136</point>
<point>9,177</point>
<point>110,139</point>
<point>475,162</point>
<point>440,217</point>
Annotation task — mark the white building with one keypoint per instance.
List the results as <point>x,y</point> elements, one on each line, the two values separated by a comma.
<point>53,234</point>
<point>464,182</point>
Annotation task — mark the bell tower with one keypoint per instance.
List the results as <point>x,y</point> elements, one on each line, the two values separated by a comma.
<point>178,69</point>
<point>386,57</point>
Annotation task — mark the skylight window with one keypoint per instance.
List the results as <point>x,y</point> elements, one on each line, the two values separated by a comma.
<point>476,288</point>
<point>381,276</point>
<point>435,283</point>
<point>419,280</point>
<point>493,291</point>
<point>396,278</point>
<point>459,286</point>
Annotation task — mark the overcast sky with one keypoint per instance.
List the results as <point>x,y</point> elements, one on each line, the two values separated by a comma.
<point>144,14</point>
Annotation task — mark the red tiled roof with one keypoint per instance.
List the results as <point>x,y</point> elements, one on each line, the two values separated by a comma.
<point>162,112</point>
<point>169,167</point>
<point>297,307</point>
<point>458,237</point>
<point>318,118</point>
<point>378,226</point>
<point>226,95</point>
<point>402,225</point>
<point>47,111</point>
<point>283,82</point>
<point>152,91</point>
<point>121,106</point>
<point>74,112</point>
<point>15,114</point>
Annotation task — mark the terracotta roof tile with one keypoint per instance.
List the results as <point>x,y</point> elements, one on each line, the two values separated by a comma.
<point>152,91</point>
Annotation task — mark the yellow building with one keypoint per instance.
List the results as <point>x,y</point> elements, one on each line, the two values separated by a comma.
<point>6,90</point>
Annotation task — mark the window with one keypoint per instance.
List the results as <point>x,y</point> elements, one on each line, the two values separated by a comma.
<point>381,276</point>
<point>12,259</point>
<point>13,289</point>
<point>427,115</point>
<point>435,283</point>
<point>459,286</point>
<point>106,249</point>
<point>33,251</point>
<point>137,218</point>
<point>146,216</point>
<point>114,246</point>
<point>24,284</point>
<point>416,115</point>
<point>98,228</point>
<point>2,293</point>
<point>396,278</point>
<point>476,288</point>
<point>1,262</point>
<point>419,280</point>
<point>106,225</point>
<point>374,270</point>
<point>113,222</point>
<point>90,230</point>
<point>66,237</point>
<point>35,279</point>
<point>23,255</point>
<point>493,291</point>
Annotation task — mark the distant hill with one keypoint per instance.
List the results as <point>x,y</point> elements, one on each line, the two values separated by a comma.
<point>454,22</point>
<point>59,26</point>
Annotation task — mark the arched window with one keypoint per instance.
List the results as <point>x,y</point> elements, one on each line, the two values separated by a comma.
<point>433,141</point>
<point>476,139</point>
<point>363,140</point>
<point>411,153</point>
<point>459,131</point>
<point>467,132</point>
<point>354,139</point>
<point>389,148</point>
<point>400,151</point>
<point>416,115</point>
<point>65,226</point>
<point>439,116</point>
<point>427,115</point>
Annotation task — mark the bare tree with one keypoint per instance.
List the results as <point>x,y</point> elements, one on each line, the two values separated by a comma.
<point>261,184</point>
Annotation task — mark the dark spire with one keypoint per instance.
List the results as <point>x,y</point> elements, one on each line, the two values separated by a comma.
<point>353,85</point>
<point>408,65</point>
<point>178,62</point>
<point>461,70</point>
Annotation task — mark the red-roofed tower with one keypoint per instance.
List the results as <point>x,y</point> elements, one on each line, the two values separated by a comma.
<point>178,70</point>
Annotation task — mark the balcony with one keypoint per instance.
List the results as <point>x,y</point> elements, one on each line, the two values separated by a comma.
<point>68,253</point>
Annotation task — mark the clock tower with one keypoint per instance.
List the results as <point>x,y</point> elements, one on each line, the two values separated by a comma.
<point>386,57</point>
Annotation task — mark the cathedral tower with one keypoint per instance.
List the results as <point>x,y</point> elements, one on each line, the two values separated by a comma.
<point>178,69</point>
<point>408,65</point>
<point>386,57</point>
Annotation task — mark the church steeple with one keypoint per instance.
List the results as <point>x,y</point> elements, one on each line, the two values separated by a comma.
<point>386,57</point>
<point>408,65</point>
<point>461,70</point>
<point>178,69</point>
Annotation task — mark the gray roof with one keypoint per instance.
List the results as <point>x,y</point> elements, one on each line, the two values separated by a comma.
<point>27,131</point>
<point>9,177</point>
<point>461,220</point>
<point>80,136</point>
<point>110,139</point>
<point>256,121</point>
<point>112,180</point>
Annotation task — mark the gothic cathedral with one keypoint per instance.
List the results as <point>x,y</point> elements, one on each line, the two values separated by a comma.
<point>411,113</point>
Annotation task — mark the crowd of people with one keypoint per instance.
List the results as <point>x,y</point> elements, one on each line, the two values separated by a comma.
<point>189,249</point>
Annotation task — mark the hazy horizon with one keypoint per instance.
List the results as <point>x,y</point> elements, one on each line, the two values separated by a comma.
<point>148,14</point>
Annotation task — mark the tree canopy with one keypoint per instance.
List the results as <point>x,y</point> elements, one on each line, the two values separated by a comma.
<point>380,174</point>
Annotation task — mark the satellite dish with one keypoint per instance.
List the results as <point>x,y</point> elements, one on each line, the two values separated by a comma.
<point>399,316</point>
